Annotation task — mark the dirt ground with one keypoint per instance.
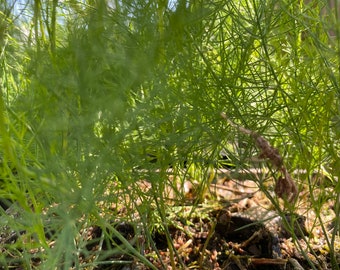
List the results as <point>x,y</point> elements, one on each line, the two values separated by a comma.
<point>236,227</point>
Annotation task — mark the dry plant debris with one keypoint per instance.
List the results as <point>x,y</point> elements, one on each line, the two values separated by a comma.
<point>242,234</point>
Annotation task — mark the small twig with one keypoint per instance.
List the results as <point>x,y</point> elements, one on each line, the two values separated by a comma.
<point>267,261</point>
<point>285,186</point>
<point>295,264</point>
<point>204,248</point>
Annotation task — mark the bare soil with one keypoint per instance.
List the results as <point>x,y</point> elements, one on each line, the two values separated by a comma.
<point>235,227</point>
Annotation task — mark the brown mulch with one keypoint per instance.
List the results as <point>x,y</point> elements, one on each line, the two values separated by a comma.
<point>235,227</point>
